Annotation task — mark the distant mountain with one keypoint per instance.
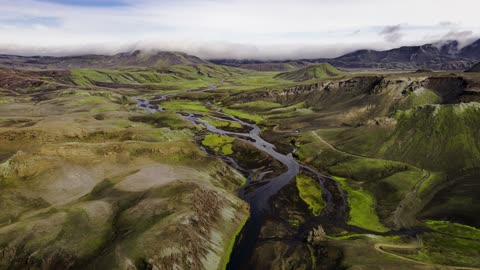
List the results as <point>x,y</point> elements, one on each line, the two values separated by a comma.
<point>445,55</point>
<point>131,59</point>
<point>318,71</point>
<point>475,68</point>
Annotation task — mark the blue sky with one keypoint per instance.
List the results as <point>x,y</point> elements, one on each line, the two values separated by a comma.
<point>89,3</point>
<point>274,29</point>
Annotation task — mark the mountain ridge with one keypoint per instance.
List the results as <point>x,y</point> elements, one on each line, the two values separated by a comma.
<point>447,55</point>
<point>135,58</point>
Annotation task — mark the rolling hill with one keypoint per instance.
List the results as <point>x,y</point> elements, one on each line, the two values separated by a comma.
<point>319,71</point>
<point>128,59</point>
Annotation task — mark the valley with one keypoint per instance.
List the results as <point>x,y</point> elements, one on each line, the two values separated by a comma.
<point>173,162</point>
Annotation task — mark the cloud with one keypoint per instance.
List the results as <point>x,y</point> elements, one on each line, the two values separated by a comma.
<point>392,33</point>
<point>458,35</point>
<point>448,24</point>
<point>233,27</point>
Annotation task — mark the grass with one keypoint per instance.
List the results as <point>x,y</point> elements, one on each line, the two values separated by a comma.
<point>311,193</point>
<point>190,106</point>
<point>420,97</point>
<point>312,72</point>
<point>435,180</point>
<point>453,228</point>
<point>362,208</point>
<point>244,115</point>
<point>443,249</point>
<point>445,135</point>
<point>231,244</point>
<point>219,143</point>
<point>165,119</point>
<point>256,106</point>
<point>220,123</point>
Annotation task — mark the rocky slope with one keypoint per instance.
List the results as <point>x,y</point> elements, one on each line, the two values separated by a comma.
<point>475,68</point>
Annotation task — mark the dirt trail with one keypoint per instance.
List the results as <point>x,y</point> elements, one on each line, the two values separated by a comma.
<point>380,247</point>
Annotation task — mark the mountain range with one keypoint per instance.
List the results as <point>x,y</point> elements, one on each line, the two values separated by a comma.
<point>448,55</point>
<point>128,59</point>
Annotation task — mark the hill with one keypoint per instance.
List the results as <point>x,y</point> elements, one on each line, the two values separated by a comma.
<point>128,59</point>
<point>320,71</point>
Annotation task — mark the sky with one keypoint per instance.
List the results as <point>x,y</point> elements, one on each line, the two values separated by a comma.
<point>254,29</point>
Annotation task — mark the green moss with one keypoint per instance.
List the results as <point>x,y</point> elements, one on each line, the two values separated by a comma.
<point>220,123</point>
<point>311,193</point>
<point>256,106</point>
<point>219,143</point>
<point>312,72</point>
<point>443,249</point>
<point>244,115</point>
<point>231,244</point>
<point>453,228</point>
<point>362,208</point>
<point>190,106</point>
<point>434,181</point>
<point>165,119</point>
<point>447,134</point>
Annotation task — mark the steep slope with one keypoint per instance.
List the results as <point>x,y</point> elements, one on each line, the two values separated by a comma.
<point>319,71</point>
<point>131,59</point>
<point>475,68</point>
<point>437,137</point>
<point>471,51</point>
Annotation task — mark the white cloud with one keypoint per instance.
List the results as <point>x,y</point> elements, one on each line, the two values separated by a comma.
<point>236,28</point>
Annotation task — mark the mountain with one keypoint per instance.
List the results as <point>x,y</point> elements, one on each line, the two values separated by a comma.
<point>129,59</point>
<point>471,51</point>
<point>319,71</point>
<point>446,55</point>
<point>475,68</point>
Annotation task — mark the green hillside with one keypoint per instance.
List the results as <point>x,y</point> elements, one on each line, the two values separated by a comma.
<point>320,71</point>
<point>437,136</point>
<point>178,73</point>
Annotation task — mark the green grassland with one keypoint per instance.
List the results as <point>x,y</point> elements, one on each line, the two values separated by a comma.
<point>244,115</point>
<point>185,105</point>
<point>314,72</point>
<point>386,182</point>
<point>311,193</point>
<point>362,208</point>
<point>221,123</point>
<point>375,133</point>
<point>219,143</point>
<point>445,249</point>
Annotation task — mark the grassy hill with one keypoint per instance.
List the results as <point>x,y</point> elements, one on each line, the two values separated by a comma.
<point>437,136</point>
<point>320,71</point>
<point>177,73</point>
<point>128,59</point>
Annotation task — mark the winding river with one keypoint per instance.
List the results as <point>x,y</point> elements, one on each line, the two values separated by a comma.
<point>259,196</point>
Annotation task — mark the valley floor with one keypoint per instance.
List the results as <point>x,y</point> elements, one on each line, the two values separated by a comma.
<point>162,168</point>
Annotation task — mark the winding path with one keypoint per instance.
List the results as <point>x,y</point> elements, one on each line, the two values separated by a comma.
<point>381,248</point>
